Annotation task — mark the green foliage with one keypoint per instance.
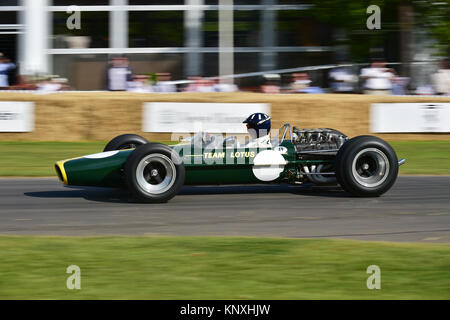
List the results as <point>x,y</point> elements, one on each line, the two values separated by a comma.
<point>435,17</point>
<point>351,17</point>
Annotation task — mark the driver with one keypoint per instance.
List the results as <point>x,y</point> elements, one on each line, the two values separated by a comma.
<point>258,126</point>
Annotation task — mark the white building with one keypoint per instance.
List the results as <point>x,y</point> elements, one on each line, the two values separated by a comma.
<point>184,37</point>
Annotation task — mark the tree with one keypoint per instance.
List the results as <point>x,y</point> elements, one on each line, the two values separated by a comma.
<point>434,16</point>
<point>351,16</point>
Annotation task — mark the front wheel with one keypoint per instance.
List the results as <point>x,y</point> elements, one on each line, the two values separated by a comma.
<point>154,173</point>
<point>366,166</point>
<point>125,141</point>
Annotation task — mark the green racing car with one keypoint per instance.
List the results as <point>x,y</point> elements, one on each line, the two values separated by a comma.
<point>364,166</point>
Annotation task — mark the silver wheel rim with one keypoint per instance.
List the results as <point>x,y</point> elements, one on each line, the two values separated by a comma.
<point>156,173</point>
<point>370,167</point>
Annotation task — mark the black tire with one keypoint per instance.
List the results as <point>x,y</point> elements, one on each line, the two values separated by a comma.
<point>125,141</point>
<point>366,166</point>
<point>154,173</point>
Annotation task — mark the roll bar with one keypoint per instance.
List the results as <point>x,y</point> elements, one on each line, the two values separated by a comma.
<point>286,127</point>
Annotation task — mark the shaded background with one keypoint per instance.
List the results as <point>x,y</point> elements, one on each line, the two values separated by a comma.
<point>182,39</point>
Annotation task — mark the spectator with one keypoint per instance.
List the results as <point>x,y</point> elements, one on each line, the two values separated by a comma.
<point>301,84</point>
<point>63,82</point>
<point>140,84</point>
<point>271,83</point>
<point>399,86</point>
<point>52,84</point>
<point>424,90</point>
<point>194,83</point>
<point>224,86</point>
<point>441,80</point>
<point>377,78</point>
<point>6,66</point>
<point>163,84</point>
<point>119,74</point>
<point>205,85</point>
<point>343,80</point>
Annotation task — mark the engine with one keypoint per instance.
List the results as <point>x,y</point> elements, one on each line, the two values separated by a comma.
<point>313,144</point>
<point>321,139</point>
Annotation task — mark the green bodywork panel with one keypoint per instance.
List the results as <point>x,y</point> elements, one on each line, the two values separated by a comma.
<point>203,166</point>
<point>223,166</point>
<point>102,172</point>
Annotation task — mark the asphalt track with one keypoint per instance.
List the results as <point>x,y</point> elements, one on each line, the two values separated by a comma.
<point>415,209</point>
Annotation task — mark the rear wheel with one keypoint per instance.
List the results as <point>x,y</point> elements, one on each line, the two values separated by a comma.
<point>366,166</point>
<point>125,141</point>
<point>154,173</point>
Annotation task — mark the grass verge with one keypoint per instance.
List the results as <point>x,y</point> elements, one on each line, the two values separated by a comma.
<point>424,157</point>
<point>34,159</point>
<point>220,268</point>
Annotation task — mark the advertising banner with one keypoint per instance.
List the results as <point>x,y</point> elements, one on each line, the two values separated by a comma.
<point>410,117</point>
<point>195,117</point>
<point>16,116</point>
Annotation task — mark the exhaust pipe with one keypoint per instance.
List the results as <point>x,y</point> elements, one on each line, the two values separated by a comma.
<point>315,175</point>
<point>401,161</point>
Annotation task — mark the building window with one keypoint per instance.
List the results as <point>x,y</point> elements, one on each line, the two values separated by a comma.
<point>246,28</point>
<point>93,32</point>
<point>9,3</point>
<point>156,29</point>
<point>155,2</point>
<point>81,2</point>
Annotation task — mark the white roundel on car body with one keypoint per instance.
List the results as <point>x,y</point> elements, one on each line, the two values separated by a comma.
<point>101,155</point>
<point>268,165</point>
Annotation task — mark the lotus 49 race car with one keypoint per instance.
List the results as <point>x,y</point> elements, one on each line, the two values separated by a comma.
<point>364,166</point>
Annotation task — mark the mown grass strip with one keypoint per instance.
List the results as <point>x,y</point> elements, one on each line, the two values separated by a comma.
<point>34,159</point>
<point>220,268</point>
<point>424,157</point>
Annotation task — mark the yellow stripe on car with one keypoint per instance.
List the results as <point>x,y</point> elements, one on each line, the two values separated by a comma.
<point>59,166</point>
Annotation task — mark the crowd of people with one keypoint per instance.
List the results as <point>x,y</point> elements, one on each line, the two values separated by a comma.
<point>7,71</point>
<point>375,79</point>
<point>120,77</point>
<point>441,79</point>
<point>9,80</point>
<point>378,79</point>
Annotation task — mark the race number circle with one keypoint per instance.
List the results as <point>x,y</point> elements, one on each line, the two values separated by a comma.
<point>268,165</point>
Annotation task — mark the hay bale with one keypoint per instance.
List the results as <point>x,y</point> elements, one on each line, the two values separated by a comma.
<point>79,116</point>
